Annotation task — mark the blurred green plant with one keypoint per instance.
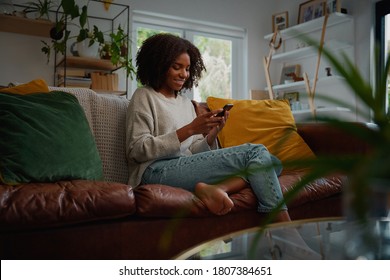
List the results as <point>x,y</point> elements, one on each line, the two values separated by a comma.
<point>363,170</point>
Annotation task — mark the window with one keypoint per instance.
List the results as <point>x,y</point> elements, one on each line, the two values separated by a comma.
<point>382,35</point>
<point>217,56</point>
<point>220,46</point>
<point>144,31</point>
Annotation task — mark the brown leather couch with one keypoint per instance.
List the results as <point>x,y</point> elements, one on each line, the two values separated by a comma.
<point>109,220</point>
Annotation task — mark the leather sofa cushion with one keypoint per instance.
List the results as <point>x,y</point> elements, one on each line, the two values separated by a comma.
<point>167,201</point>
<point>63,203</point>
<point>316,190</point>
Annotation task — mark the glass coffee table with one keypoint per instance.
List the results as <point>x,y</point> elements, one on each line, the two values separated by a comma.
<point>312,239</point>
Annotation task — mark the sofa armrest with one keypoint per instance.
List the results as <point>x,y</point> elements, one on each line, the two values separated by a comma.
<point>324,139</point>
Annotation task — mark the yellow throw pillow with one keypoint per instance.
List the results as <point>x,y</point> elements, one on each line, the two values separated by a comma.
<point>35,86</point>
<point>267,122</point>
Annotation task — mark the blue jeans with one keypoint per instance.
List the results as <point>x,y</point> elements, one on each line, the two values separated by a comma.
<point>251,162</point>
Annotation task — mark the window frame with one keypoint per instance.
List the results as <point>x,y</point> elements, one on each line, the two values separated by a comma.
<point>382,10</point>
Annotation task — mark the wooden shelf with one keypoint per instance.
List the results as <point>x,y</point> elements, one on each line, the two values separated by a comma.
<point>26,26</point>
<point>88,63</point>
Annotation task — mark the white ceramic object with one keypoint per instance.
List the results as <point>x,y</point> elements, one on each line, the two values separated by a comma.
<point>87,51</point>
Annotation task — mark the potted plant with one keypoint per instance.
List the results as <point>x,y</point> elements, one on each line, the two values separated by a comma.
<point>366,169</point>
<point>117,51</point>
<point>86,36</point>
<point>41,8</point>
<point>367,194</point>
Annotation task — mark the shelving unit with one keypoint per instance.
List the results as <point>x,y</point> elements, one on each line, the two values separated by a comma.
<point>338,37</point>
<point>118,14</point>
<point>26,26</point>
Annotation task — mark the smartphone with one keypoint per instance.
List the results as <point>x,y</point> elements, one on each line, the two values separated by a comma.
<point>227,107</point>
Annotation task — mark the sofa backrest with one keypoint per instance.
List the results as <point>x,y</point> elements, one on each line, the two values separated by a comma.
<point>106,115</point>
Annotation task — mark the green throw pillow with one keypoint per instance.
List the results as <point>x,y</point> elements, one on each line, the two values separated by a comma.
<point>45,138</point>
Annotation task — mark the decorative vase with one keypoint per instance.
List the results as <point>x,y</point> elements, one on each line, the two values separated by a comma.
<point>84,50</point>
<point>367,211</point>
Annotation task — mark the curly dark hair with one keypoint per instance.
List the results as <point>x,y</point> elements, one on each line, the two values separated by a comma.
<point>159,52</point>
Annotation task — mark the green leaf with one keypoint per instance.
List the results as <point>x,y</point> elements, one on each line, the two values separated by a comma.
<point>70,8</point>
<point>83,34</point>
<point>83,16</point>
<point>98,35</point>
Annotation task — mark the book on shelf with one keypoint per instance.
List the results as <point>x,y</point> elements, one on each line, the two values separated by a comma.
<point>104,81</point>
<point>74,82</point>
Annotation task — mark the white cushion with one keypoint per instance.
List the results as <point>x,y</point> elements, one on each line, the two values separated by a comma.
<point>107,117</point>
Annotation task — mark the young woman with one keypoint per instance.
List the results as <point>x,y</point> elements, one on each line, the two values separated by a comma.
<point>165,142</point>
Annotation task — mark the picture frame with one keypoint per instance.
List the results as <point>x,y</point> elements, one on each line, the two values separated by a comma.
<point>279,21</point>
<point>291,96</point>
<point>287,70</point>
<point>333,6</point>
<point>310,10</point>
<point>319,9</point>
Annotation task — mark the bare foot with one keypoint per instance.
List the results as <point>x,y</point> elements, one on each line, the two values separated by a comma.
<point>215,199</point>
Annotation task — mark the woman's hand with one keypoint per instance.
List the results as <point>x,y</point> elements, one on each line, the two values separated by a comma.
<point>213,133</point>
<point>206,124</point>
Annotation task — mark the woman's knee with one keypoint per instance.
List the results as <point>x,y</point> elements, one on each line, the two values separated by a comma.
<point>259,150</point>
<point>258,153</point>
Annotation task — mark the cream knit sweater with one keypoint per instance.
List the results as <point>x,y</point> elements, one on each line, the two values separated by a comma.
<point>152,121</point>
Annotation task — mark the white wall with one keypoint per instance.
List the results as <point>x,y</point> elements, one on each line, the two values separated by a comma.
<point>22,60</point>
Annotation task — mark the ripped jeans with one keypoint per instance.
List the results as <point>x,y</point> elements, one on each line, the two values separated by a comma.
<point>251,162</point>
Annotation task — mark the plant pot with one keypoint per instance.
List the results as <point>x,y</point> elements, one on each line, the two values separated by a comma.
<point>368,221</point>
<point>84,50</point>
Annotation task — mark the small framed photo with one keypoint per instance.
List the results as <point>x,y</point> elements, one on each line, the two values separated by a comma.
<point>279,21</point>
<point>305,11</point>
<point>291,96</point>
<point>319,10</point>
<point>290,73</point>
<point>310,10</point>
<point>333,6</point>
